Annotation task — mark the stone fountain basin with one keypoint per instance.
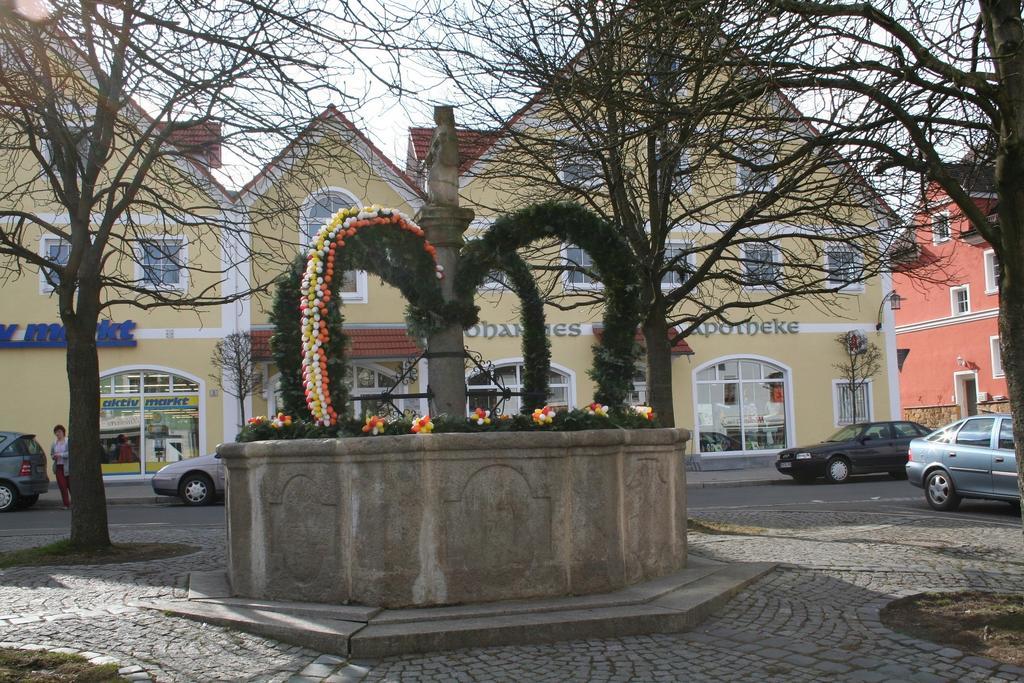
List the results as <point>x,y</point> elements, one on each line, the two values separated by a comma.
<point>442,519</point>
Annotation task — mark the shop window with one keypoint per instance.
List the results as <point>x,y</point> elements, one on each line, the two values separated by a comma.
<point>851,404</point>
<point>741,406</point>
<point>960,299</point>
<point>762,265</point>
<point>161,263</point>
<point>374,378</point>
<point>991,272</point>
<point>578,264</point>
<point>55,250</point>
<point>510,376</point>
<point>940,227</point>
<point>684,264</point>
<point>997,357</point>
<point>316,212</point>
<point>148,418</point>
<point>843,267</point>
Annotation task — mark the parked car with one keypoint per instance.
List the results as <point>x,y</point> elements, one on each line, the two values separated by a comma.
<point>197,481</point>
<point>970,458</point>
<point>855,449</point>
<point>22,471</point>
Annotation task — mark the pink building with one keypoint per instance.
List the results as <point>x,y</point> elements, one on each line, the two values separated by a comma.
<point>947,326</point>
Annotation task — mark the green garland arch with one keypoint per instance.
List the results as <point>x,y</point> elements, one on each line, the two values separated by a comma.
<point>398,257</point>
<point>615,357</point>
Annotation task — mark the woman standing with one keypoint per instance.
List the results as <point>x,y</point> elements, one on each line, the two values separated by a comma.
<point>61,463</point>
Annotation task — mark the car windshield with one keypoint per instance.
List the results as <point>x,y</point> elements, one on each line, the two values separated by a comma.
<point>847,433</point>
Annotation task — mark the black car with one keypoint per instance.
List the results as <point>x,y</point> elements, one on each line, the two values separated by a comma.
<point>857,449</point>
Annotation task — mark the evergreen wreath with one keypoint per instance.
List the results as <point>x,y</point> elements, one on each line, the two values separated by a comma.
<point>616,356</point>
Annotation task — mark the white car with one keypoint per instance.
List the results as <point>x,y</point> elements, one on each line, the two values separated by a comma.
<point>197,481</point>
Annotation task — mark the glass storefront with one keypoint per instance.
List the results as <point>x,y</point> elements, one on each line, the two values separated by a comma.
<point>148,418</point>
<point>741,406</point>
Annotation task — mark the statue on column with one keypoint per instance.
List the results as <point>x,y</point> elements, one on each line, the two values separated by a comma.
<point>443,160</point>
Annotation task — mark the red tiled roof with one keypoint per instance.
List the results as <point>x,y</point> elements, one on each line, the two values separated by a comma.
<point>200,140</point>
<point>363,342</point>
<point>472,144</point>
<point>260,344</point>
<point>680,348</point>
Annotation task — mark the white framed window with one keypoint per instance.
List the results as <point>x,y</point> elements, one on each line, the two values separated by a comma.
<point>762,265</point>
<point>496,281</point>
<point>991,272</point>
<point>577,166</point>
<point>682,180</point>
<point>160,263</point>
<point>509,373</point>
<point>637,395</point>
<point>960,299</point>
<point>576,260</point>
<point>580,172</point>
<point>843,267</point>
<point>751,176</point>
<point>316,212</point>
<point>683,268</point>
<point>851,404</point>
<point>940,227</point>
<point>54,250</point>
<point>997,357</point>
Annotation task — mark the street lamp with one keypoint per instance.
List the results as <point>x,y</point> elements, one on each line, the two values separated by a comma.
<point>895,301</point>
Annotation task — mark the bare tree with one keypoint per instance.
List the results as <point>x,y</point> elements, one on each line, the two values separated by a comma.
<point>114,119</point>
<point>238,374</point>
<point>862,360</point>
<point>731,203</point>
<point>924,99</point>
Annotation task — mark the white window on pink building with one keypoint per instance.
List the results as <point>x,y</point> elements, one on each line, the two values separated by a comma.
<point>960,300</point>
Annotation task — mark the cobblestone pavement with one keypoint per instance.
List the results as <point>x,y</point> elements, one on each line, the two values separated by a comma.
<point>815,618</point>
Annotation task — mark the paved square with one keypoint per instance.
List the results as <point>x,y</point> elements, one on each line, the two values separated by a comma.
<point>815,618</point>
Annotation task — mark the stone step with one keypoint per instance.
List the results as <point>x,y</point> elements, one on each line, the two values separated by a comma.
<point>669,604</point>
<point>677,610</point>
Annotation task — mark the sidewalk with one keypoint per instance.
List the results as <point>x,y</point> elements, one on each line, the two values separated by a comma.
<point>118,493</point>
<point>141,493</point>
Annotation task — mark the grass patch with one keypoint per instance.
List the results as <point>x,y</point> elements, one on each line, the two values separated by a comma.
<point>708,526</point>
<point>984,624</point>
<point>39,666</point>
<point>63,553</point>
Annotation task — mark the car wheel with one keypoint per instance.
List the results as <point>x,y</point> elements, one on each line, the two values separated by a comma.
<point>28,501</point>
<point>939,492</point>
<point>898,474</point>
<point>837,470</point>
<point>196,489</point>
<point>8,497</point>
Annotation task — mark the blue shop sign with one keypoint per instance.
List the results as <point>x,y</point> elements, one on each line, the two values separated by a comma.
<point>51,335</point>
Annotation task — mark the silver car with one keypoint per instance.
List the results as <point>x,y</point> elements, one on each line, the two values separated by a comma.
<point>970,458</point>
<point>197,481</point>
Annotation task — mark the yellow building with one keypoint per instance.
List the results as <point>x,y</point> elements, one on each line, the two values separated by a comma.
<point>747,391</point>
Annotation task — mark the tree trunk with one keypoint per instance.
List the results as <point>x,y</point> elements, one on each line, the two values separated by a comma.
<point>89,501</point>
<point>659,365</point>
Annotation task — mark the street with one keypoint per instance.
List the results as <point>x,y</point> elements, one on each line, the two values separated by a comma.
<point>842,553</point>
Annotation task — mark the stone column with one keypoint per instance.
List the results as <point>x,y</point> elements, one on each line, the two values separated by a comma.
<point>444,222</point>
